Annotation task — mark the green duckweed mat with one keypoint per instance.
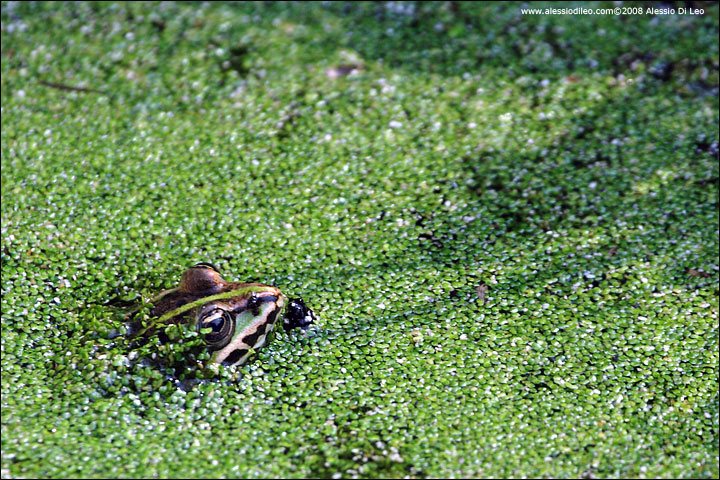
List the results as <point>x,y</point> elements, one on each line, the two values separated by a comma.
<point>507,225</point>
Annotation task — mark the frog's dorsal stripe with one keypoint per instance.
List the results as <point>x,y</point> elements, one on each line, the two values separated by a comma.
<point>211,298</point>
<point>153,301</point>
<point>200,301</point>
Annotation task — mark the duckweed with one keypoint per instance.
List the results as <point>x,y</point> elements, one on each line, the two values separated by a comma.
<point>506,224</point>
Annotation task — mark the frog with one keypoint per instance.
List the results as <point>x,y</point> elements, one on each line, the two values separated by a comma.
<point>235,319</point>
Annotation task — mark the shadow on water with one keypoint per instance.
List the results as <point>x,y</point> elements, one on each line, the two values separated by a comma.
<point>452,38</point>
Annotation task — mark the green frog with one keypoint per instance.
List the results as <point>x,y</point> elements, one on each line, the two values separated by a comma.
<point>235,318</point>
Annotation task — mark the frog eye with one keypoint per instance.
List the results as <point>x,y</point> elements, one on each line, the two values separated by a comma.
<point>222,325</point>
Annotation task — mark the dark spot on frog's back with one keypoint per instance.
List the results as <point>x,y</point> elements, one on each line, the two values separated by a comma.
<point>234,356</point>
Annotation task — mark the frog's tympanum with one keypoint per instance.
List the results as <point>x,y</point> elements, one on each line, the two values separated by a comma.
<point>239,316</point>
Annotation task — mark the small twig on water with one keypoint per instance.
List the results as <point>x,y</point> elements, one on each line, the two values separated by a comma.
<point>70,88</point>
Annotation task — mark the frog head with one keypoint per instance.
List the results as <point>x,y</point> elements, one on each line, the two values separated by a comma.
<point>235,318</point>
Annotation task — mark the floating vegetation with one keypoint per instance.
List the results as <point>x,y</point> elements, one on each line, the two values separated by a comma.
<point>508,225</point>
